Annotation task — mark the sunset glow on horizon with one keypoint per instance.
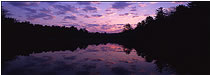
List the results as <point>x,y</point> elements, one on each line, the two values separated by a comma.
<point>102,16</point>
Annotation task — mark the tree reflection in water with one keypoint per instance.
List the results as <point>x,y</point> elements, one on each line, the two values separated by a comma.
<point>105,59</point>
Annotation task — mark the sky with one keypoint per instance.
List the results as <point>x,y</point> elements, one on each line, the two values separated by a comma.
<point>102,17</point>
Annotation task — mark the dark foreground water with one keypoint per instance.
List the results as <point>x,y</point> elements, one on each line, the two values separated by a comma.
<point>109,59</point>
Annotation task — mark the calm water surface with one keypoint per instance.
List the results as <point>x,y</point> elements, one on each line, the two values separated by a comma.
<point>109,59</point>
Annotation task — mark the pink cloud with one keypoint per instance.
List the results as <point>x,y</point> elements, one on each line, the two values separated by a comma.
<point>142,5</point>
<point>111,13</point>
<point>179,2</point>
<point>135,16</point>
<point>153,2</point>
<point>125,14</point>
<point>95,2</point>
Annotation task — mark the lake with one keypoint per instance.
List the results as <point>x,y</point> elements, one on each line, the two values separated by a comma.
<point>102,59</point>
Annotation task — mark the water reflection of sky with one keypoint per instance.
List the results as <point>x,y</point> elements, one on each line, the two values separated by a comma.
<point>109,59</point>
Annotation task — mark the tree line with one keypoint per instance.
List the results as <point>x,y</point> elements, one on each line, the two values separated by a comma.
<point>182,27</point>
<point>174,39</point>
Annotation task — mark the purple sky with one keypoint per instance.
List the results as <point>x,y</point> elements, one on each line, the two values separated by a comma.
<point>94,16</point>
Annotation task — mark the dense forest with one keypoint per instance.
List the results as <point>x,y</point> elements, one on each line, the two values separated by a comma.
<point>174,39</point>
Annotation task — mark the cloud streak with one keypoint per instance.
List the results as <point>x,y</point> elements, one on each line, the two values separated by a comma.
<point>125,14</point>
<point>44,10</point>
<point>90,9</point>
<point>120,5</point>
<point>24,4</point>
<point>97,15</point>
<point>64,9</point>
<point>133,9</point>
<point>30,10</point>
<point>83,3</point>
<point>70,18</point>
<point>40,15</point>
<point>92,25</point>
<point>111,13</point>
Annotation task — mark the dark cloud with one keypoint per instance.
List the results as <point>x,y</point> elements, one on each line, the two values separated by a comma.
<point>120,5</point>
<point>92,25</point>
<point>64,9</point>
<point>119,24</point>
<point>92,50</point>
<point>70,17</point>
<point>110,13</point>
<point>125,14</point>
<point>30,10</point>
<point>40,15</point>
<point>90,9</point>
<point>105,27</point>
<point>97,15</point>
<point>63,22</point>
<point>125,61</point>
<point>119,27</point>
<point>61,12</point>
<point>133,9</point>
<point>98,59</point>
<point>83,3</point>
<point>108,10</point>
<point>69,25</point>
<point>85,16</point>
<point>134,13</point>
<point>44,10</point>
<point>7,12</point>
<point>146,14</point>
<point>135,16</point>
<point>106,49</point>
<point>24,4</point>
<point>69,58</point>
<point>81,14</point>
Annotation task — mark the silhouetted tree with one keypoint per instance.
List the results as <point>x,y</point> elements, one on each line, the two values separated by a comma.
<point>160,14</point>
<point>149,19</point>
<point>127,27</point>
